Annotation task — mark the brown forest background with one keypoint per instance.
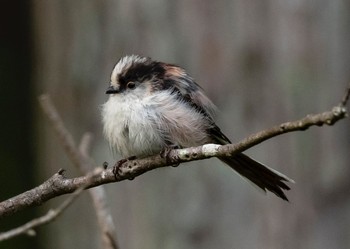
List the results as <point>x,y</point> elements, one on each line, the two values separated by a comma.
<point>261,62</point>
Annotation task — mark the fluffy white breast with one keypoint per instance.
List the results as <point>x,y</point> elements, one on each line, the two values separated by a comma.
<point>129,127</point>
<point>139,127</point>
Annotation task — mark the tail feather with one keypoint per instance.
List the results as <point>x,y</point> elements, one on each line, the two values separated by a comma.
<point>259,174</point>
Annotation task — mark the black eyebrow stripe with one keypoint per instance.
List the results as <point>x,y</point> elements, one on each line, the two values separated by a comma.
<point>141,72</point>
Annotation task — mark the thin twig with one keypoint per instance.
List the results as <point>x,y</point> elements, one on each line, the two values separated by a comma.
<point>346,97</point>
<point>83,162</point>
<point>98,196</point>
<point>64,136</point>
<point>51,214</point>
<point>85,146</point>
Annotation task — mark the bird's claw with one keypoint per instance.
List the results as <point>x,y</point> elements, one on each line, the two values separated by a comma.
<point>117,166</point>
<point>165,153</point>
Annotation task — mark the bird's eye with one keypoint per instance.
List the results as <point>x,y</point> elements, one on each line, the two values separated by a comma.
<point>131,85</point>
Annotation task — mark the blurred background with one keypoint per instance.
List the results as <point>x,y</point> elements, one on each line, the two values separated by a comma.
<point>261,62</point>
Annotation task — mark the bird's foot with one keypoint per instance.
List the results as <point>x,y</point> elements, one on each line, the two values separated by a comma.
<point>164,153</point>
<point>116,167</point>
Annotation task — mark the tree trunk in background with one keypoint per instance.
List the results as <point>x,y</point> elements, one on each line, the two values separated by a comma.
<point>261,62</point>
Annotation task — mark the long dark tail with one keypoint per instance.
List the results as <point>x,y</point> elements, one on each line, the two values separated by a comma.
<point>262,176</point>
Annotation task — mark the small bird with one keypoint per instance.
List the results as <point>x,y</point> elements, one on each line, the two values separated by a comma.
<point>155,106</point>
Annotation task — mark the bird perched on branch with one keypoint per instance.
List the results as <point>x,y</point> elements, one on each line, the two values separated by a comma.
<point>155,106</point>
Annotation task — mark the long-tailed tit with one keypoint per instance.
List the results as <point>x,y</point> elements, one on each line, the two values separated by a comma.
<point>155,105</point>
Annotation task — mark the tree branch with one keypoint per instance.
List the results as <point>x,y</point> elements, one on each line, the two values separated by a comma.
<point>58,185</point>
<point>51,214</point>
<point>83,162</point>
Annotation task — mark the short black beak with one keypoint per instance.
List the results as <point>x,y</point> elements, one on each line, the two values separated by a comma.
<point>111,90</point>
